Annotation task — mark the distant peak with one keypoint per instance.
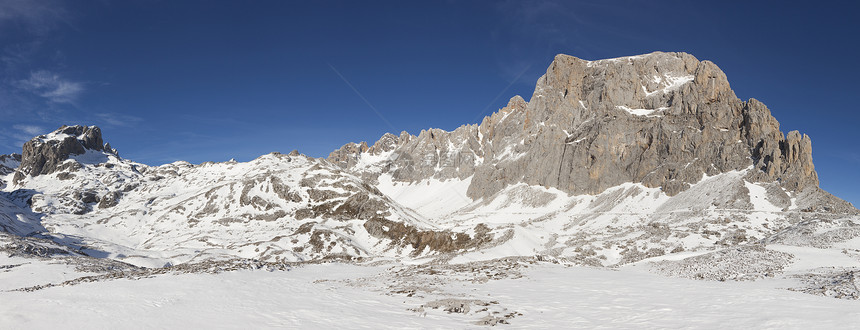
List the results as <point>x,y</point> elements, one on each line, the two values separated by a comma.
<point>516,102</point>
<point>89,137</point>
<point>45,154</point>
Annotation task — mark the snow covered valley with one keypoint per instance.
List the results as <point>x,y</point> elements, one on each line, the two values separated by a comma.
<point>517,293</point>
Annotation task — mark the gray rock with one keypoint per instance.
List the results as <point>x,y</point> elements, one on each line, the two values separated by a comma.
<point>45,154</point>
<point>110,199</point>
<point>660,119</point>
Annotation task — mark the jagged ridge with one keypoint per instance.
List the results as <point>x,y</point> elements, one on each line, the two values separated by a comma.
<point>661,119</point>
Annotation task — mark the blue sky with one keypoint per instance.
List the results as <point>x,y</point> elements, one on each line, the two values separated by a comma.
<point>214,80</point>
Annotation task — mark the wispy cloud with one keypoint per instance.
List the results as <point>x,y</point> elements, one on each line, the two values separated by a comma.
<point>30,129</point>
<point>30,23</point>
<point>118,119</point>
<point>52,87</point>
<point>362,98</point>
<point>33,95</point>
<point>16,56</point>
<point>36,16</point>
<point>11,140</point>
<point>533,32</point>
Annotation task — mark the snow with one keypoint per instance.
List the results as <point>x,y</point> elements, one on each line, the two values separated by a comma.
<point>9,162</point>
<point>807,258</point>
<point>18,273</point>
<point>628,59</point>
<point>53,136</point>
<point>509,154</point>
<point>432,198</point>
<point>176,213</point>
<point>668,82</point>
<point>523,243</point>
<point>367,161</point>
<point>531,266</point>
<point>674,82</point>
<point>758,197</point>
<point>352,296</point>
<point>555,297</point>
<point>91,157</point>
<point>533,220</point>
<point>642,112</point>
<point>242,299</point>
<point>142,229</point>
<point>183,213</point>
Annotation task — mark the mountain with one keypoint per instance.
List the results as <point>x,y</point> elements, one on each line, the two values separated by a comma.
<point>610,162</point>
<point>662,120</point>
<point>647,169</point>
<point>277,207</point>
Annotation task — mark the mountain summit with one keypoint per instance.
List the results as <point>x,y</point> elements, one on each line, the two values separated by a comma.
<point>663,120</point>
<point>46,154</point>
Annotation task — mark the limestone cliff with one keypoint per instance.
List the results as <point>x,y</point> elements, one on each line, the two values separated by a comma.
<point>660,119</point>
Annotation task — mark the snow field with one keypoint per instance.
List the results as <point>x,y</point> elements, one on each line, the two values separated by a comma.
<point>352,296</point>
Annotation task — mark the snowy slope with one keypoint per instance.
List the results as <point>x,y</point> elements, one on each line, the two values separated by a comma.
<point>432,257</point>
<point>621,225</point>
<point>276,207</point>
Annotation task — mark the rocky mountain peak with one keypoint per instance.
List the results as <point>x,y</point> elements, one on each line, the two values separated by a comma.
<point>516,103</point>
<point>47,153</point>
<point>661,119</point>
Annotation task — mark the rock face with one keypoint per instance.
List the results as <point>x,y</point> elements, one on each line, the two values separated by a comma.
<point>349,154</point>
<point>46,154</point>
<point>8,163</point>
<point>661,119</point>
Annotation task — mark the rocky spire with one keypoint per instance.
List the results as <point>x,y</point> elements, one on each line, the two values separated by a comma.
<point>46,154</point>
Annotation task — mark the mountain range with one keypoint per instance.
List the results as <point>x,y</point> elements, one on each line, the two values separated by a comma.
<point>609,163</point>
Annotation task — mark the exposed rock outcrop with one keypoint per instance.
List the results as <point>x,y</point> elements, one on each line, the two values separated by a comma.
<point>349,154</point>
<point>46,154</point>
<point>661,119</point>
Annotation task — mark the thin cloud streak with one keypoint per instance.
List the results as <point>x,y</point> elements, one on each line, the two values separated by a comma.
<point>849,156</point>
<point>118,119</point>
<point>15,138</point>
<point>362,97</point>
<point>52,87</point>
<point>30,129</point>
<point>517,78</point>
<point>37,16</point>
